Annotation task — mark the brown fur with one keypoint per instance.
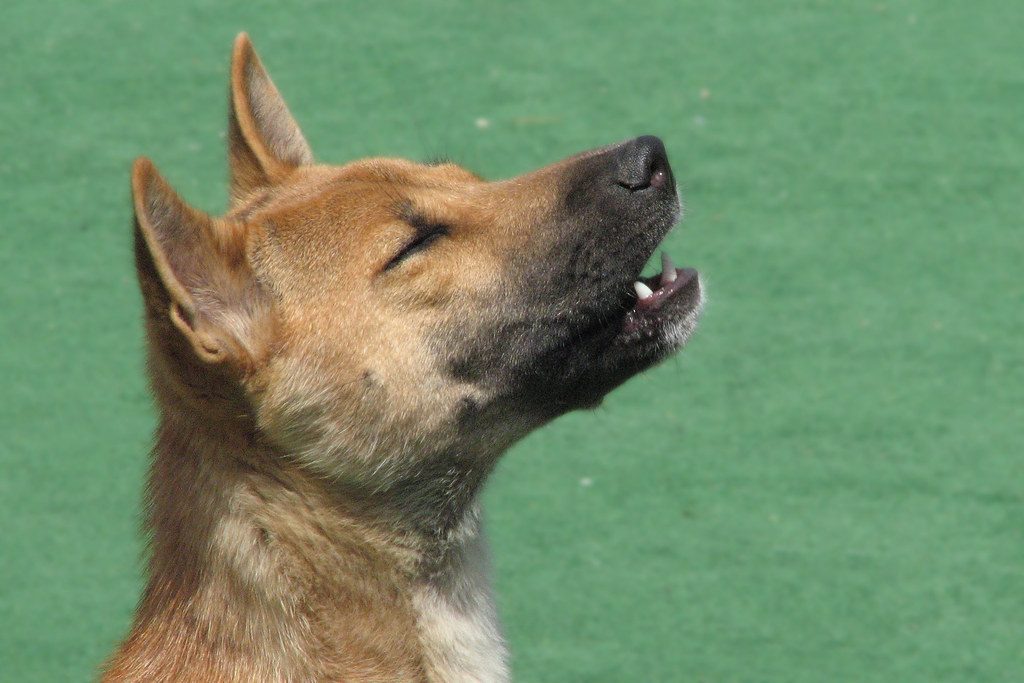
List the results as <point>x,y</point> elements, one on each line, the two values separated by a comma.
<point>316,464</point>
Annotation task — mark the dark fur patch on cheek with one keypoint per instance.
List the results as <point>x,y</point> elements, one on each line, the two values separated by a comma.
<point>467,368</point>
<point>469,410</point>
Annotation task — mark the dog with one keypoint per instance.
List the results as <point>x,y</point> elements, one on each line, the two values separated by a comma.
<point>339,361</point>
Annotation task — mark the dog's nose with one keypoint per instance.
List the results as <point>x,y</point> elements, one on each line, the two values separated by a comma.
<point>642,163</point>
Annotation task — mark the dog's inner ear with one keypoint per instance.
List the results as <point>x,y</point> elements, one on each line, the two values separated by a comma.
<point>265,143</point>
<point>194,269</point>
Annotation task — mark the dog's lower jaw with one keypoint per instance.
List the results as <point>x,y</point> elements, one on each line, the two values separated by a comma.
<point>260,573</point>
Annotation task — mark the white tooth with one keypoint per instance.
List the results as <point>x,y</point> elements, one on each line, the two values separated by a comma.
<point>668,269</point>
<point>642,290</point>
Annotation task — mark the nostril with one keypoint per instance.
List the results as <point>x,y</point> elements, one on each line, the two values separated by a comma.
<point>632,187</point>
<point>641,164</point>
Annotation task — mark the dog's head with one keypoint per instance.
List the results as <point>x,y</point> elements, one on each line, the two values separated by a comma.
<point>366,314</point>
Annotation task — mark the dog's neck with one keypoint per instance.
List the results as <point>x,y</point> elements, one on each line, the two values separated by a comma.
<point>262,571</point>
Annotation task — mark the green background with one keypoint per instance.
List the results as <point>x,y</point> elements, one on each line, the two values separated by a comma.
<point>825,486</point>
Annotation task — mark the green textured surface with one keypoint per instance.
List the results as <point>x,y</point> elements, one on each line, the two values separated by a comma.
<point>826,486</point>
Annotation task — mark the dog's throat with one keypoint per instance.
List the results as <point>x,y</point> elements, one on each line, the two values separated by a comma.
<point>438,498</point>
<point>237,542</point>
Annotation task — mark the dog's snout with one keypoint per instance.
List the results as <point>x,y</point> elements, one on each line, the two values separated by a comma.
<point>642,163</point>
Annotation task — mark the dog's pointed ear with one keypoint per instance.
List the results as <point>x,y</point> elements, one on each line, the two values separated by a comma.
<point>194,270</point>
<point>264,142</point>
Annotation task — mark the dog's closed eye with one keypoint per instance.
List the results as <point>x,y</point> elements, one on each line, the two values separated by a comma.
<point>427,232</point>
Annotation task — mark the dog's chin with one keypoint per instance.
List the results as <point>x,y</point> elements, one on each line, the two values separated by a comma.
<point>650,332</point>
<point>653,328</point>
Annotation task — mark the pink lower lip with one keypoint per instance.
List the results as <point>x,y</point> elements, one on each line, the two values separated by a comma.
<point>647,307</point>
<point>683,277</point>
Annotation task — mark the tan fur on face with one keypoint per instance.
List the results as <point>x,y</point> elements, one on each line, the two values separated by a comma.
<point>378,396</point>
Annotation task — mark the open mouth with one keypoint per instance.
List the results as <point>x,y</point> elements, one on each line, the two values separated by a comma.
<point>655,293</point>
